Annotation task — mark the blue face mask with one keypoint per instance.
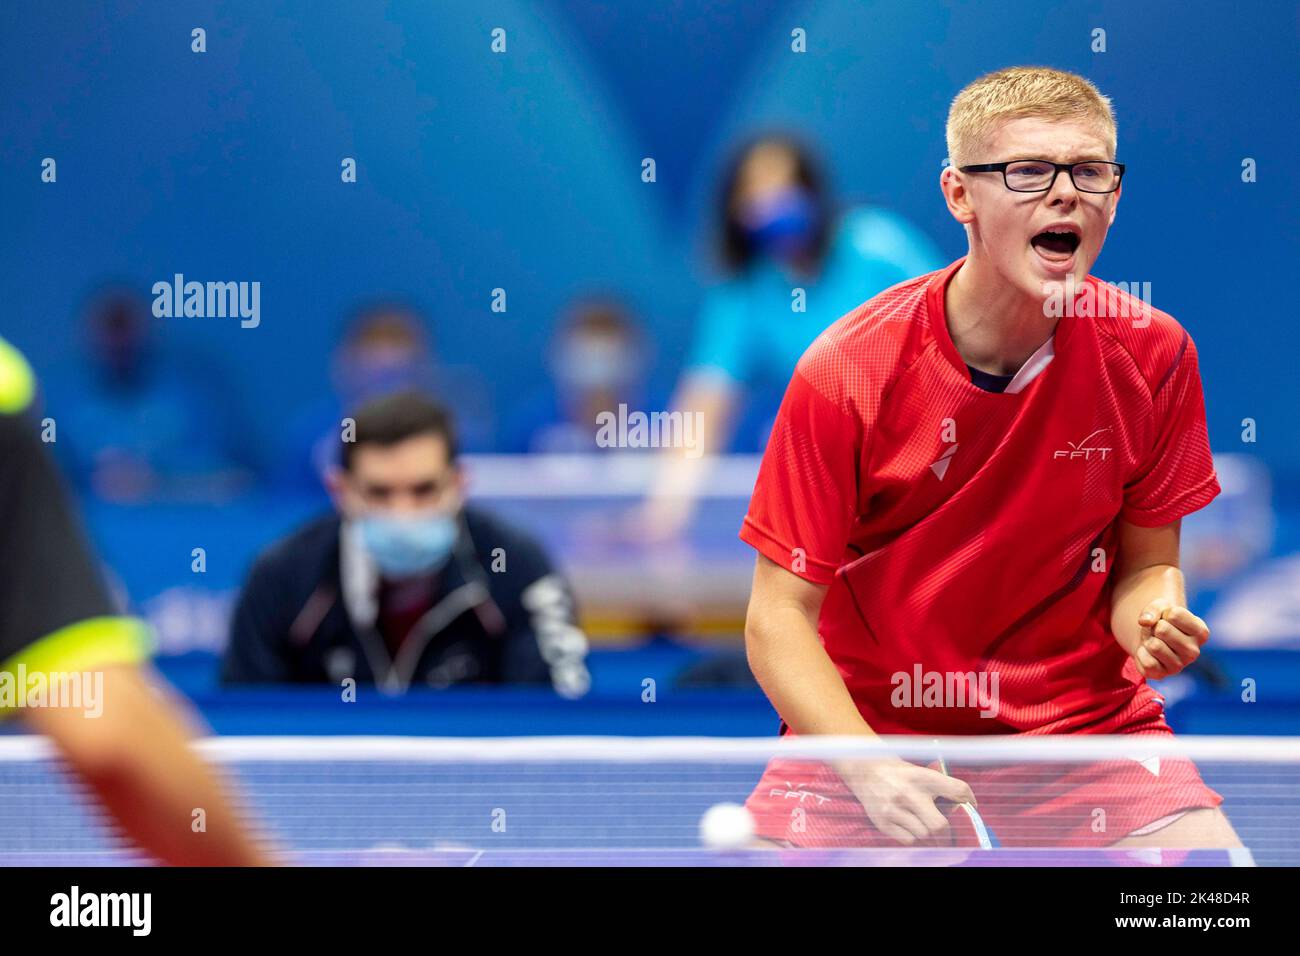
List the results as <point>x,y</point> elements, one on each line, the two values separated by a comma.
<point>782,224</point>
<point>595,363</point>
<point>407,546</point>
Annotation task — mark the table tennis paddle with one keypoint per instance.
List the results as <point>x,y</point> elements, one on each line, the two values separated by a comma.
<point>969,828</point>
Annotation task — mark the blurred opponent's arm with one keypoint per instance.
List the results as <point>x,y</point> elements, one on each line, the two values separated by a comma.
<point>128,742</point>
<point>137,759</point>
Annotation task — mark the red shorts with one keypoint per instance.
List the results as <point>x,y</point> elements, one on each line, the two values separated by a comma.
<point>805,803</point>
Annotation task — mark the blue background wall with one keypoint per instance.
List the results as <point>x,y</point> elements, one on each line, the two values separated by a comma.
<point>523,171</point>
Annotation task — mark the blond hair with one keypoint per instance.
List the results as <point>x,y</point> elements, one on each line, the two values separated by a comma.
<point>1020,91</point>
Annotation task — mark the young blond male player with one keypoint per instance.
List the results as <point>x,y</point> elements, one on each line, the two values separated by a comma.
<point>963,481</point>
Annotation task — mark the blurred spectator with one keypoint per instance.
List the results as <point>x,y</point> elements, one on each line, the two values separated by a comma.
<point>598,359</point>
<point>780,231</point>
<point>385,349</point>
<point>138,425</point>
<point>405,586</point>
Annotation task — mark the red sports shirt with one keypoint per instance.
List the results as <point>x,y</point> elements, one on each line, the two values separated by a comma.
<point>970,535</point>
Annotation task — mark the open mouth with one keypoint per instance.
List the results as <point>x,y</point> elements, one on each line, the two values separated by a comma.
<point>1057,246</point>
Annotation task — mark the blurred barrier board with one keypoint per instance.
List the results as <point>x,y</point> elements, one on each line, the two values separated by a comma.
<point>584,509</point>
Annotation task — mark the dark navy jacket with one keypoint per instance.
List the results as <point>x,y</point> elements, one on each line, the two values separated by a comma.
<point>502,615</point>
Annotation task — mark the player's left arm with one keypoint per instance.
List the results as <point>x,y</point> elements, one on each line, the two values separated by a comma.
<point>1149,615</point>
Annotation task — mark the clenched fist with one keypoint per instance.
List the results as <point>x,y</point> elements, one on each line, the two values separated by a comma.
<point>1171,639</point>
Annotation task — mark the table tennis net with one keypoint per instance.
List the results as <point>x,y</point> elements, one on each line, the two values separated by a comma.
<point>630,799</point>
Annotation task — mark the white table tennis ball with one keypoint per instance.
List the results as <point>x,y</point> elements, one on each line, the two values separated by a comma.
<point>726,826</point>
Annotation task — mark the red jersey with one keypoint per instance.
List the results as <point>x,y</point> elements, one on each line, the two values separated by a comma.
<point>968,537</point>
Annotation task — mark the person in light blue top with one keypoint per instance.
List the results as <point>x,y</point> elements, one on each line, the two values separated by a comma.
<point>780,233</point>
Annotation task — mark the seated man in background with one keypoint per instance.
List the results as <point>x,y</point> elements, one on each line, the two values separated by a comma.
<point>405,586</point>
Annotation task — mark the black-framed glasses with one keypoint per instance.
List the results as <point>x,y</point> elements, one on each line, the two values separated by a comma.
<point>1039,175</point>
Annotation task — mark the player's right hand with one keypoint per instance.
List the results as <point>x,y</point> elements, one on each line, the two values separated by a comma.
<point>899,797</point>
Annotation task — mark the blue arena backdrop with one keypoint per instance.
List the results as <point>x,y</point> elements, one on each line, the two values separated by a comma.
<point>478,172</point>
